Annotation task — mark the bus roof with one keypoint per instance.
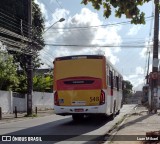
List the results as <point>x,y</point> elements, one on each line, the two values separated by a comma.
<point>87,57</point>
<point>79,57</point>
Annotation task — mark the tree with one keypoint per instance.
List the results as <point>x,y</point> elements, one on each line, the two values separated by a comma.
<point>8,72</point>
<point>22,86</point>
<point>127,90</point>
<point>43,83</point>
<point>38,25</point>
<point>22,58</point>
<point>37,30</point>
<point>130,8</point>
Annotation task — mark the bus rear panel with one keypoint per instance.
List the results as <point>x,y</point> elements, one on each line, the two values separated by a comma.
<point>79,85</point>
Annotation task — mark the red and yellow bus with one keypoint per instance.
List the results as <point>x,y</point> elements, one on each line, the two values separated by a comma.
<point>86,85</point>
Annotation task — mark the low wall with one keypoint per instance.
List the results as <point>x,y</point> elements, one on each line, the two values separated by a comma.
<point>19,101</point>
<point>42,100</point>
<point>6,101</point>
<point>9,100</point>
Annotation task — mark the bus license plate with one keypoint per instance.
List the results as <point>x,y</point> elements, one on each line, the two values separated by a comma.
<point>79,110</point>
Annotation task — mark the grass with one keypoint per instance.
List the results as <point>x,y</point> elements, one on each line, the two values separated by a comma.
<point>32,115</point>
<point>134,114</point>
<point>117,124</point>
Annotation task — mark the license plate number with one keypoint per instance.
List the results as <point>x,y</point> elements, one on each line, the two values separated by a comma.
<point>79,110</point>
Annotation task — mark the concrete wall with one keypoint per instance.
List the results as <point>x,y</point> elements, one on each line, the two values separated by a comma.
<point>9,100</point>
<point>42,100</point>
<point>20,103</point>
<point>6,101</point>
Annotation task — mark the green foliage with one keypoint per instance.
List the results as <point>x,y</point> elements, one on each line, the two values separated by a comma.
<point>130,8</point>
<point>38,24</point>
<point>22,86</point>
<point>42,83</point>
<point>37,30</point>
<point>127,90</point>
<point>8,72</point>
<point>18,10</point>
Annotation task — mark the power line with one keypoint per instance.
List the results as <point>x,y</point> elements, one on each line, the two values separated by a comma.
<point>59,4</point>
<point>107,46</point>
<point>9,15</point>
<point>123,43</point>
<point>13,24</point>
<point>97,26</point>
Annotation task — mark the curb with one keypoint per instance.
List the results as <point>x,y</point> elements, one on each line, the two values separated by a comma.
<point>108,140</point>
<point>112,133</point>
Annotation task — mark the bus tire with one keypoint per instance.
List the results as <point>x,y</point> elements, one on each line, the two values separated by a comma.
<point>77,117</point>
<point>118,112</point>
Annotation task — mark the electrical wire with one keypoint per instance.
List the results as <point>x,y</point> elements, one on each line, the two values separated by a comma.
<point>107,46</point>
<point>11,21</point>
<point>15,18</point>
<point>98,26</point>
<point>59,4</point>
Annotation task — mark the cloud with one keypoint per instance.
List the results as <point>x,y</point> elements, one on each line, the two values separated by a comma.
<point>139,70</point>
<point>43,9</point>
<point>134,30</point>
<point>137,79</point>
<point>149,44</point>
<point>61,33</point>
<point>148,47</point>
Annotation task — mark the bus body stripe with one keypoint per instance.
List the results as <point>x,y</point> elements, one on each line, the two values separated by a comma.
<point>79,83</point>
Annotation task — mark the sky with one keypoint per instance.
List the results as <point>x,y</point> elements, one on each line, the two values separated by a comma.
<point>126,44</point>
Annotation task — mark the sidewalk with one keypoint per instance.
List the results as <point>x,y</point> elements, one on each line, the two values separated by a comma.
<point>133,129</point>
<point>22,116</point>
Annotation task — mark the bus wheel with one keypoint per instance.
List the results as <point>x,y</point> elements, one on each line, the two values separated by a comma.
<point>78,117</point>
<point>113,116</point>
<point>118,112</point>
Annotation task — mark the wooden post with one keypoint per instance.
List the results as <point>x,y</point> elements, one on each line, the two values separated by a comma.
<point>0,113</point>
<point>15,111</point>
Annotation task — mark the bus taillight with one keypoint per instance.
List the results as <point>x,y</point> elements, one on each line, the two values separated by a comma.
<point>102,97</point>
<point>56,101</point>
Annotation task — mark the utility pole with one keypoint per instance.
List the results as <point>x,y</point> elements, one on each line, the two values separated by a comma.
<point>154,86</point>
<point>30,65</point>
<point>147,77</point>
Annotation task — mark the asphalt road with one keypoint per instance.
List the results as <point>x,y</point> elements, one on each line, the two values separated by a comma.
<point>63,130</point>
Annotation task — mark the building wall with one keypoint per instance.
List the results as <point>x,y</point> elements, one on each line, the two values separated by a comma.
<point>6,101</point>
<point>135,98</point>
<point>20,103</point>
<point>42,100</point>
<point>9,100</point>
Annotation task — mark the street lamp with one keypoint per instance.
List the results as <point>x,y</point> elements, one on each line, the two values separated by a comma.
<point>60,20</point>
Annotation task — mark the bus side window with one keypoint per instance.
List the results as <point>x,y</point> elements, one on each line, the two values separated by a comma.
<point>108,79</point>
<point>111,79</point>
<point>114,80</point>
<point>120,83</point>
<point>117,82</point>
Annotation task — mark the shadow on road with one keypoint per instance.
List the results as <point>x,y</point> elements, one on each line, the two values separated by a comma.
<point>135,121</point>
<point>64,129</point>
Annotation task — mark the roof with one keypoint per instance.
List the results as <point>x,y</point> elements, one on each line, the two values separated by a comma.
<point>87,56</point>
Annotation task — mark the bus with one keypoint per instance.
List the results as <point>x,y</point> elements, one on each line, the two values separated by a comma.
<point>86,85</point>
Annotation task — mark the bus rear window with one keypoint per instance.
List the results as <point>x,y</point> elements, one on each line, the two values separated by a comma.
<point>79,82</point>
